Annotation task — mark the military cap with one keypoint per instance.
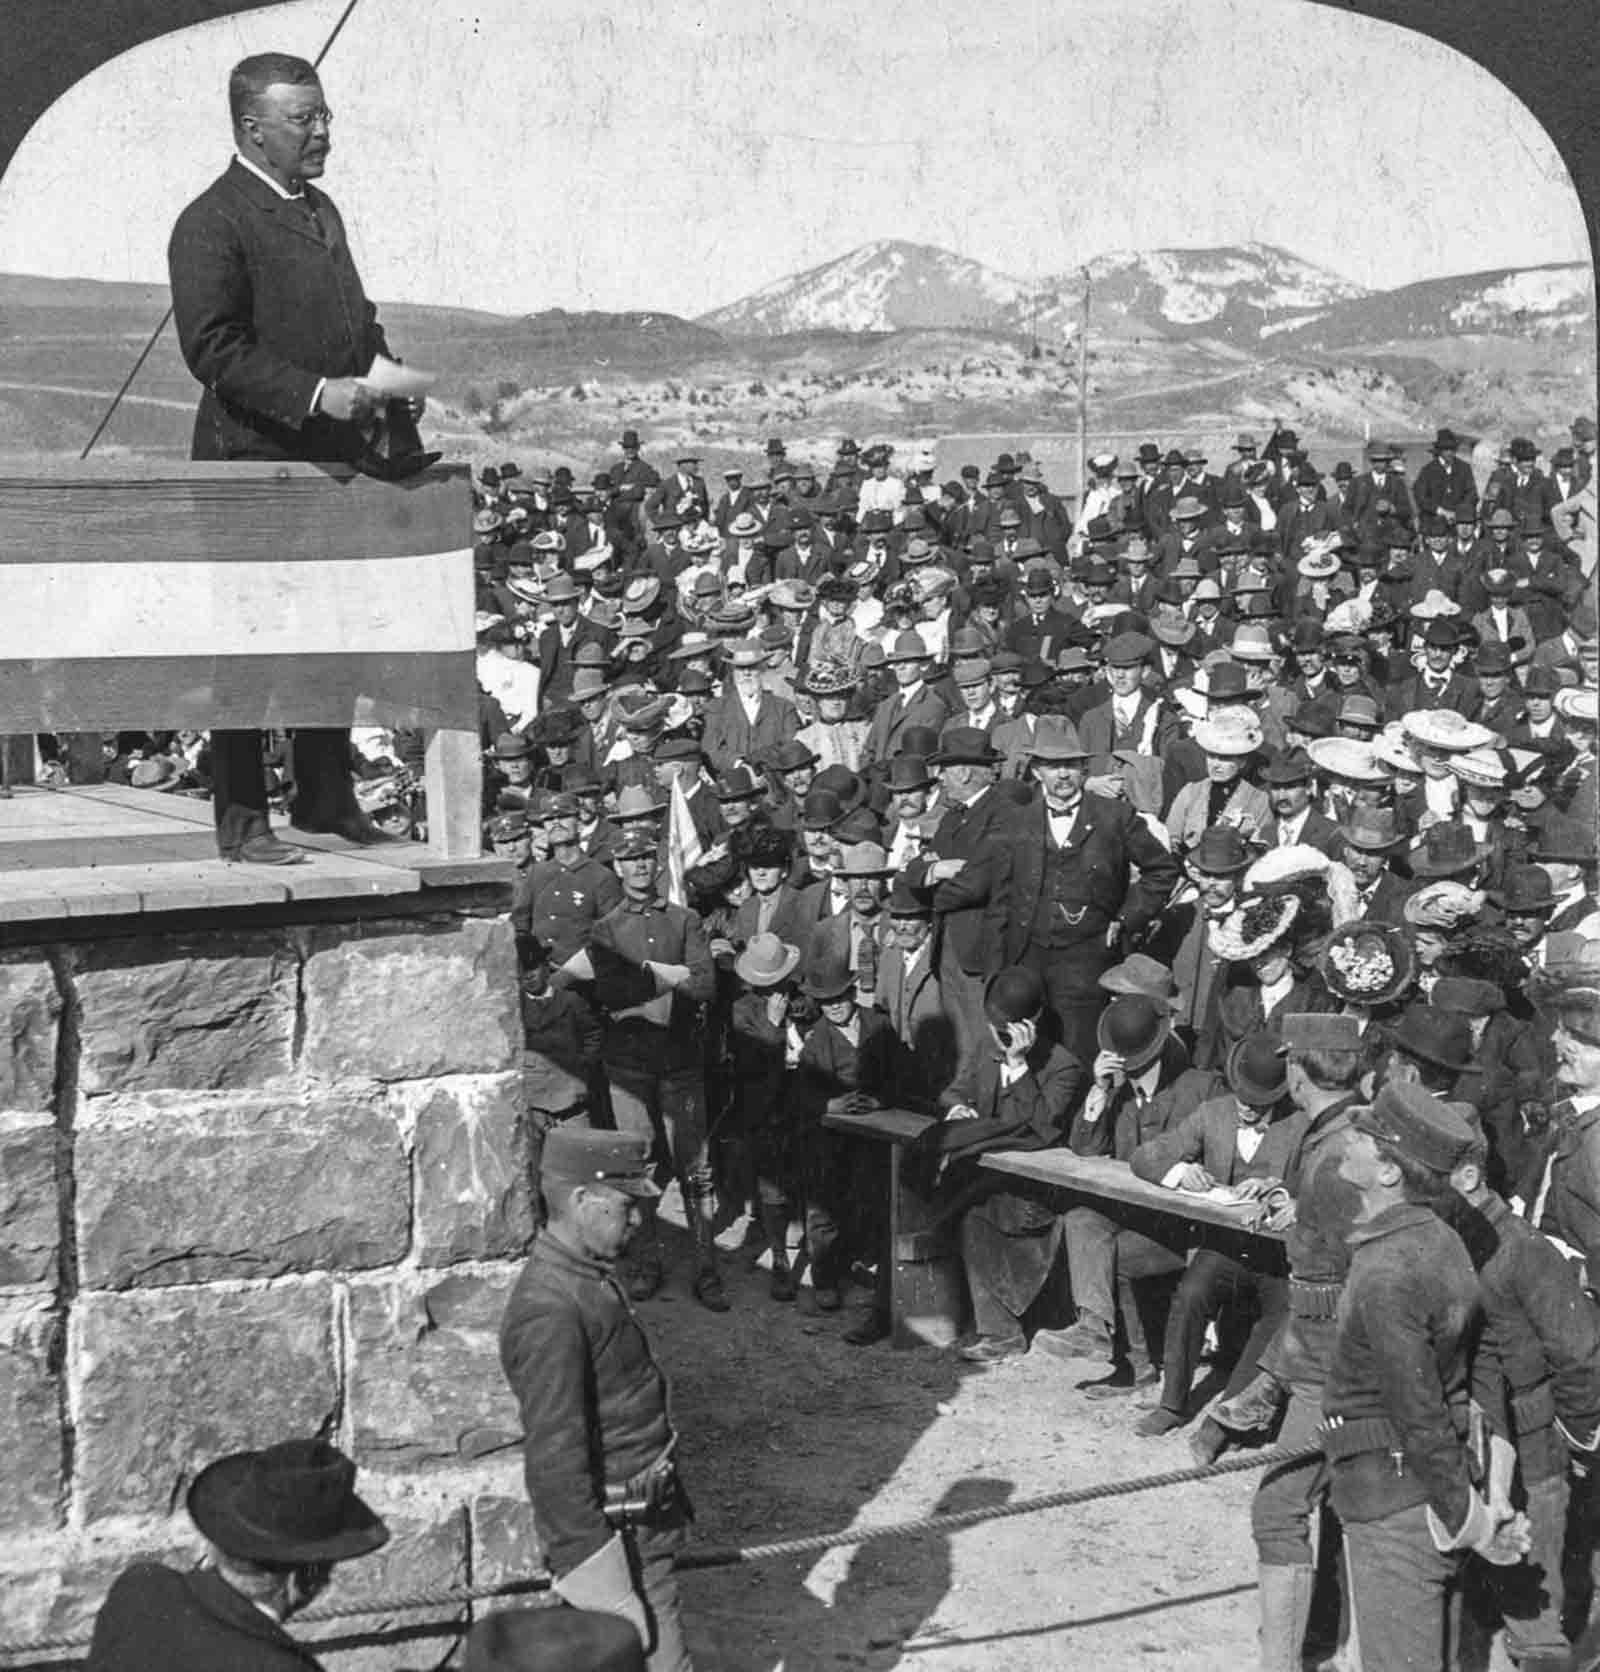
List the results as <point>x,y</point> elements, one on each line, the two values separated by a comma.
<point>579,1156</point>
<point>1417,1124</point>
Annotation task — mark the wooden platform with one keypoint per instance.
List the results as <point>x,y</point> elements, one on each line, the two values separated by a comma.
<point>107,851</point>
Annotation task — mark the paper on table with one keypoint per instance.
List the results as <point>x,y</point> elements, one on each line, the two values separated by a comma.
<point>396,382</point>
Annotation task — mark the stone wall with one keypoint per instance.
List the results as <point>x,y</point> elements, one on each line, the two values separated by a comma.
<point>257,1181</point>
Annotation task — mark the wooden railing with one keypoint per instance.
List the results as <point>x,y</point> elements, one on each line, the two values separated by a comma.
<point>140,594</point>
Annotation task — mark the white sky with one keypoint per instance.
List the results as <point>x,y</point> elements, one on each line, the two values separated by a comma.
<point>518,155</point>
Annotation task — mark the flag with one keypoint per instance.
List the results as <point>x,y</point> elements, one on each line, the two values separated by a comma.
<point>683,844</point>
<point>235,595</point>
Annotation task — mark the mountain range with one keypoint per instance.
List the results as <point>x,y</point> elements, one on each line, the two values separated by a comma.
<point>1244,294</point>
<point>897,340</point>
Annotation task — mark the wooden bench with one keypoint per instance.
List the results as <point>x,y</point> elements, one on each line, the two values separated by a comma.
<point>1113,1185</point>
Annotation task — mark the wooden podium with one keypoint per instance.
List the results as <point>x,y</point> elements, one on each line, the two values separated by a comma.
<point>163,595</point>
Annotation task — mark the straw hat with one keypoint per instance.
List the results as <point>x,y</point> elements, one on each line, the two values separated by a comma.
<point>1254,928</point>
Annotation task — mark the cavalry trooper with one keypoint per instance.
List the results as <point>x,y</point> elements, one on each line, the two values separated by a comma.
<point>598,1442</point>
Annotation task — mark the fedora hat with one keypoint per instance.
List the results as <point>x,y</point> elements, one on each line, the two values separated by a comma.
<point>294,1502</point>
<point>791,755</point>
<point>908,647</point>
<point>1372,830</point>
<point>864,860</point>
<point>1220,852</point>
<point>966,746</point>
<point>1526,889</point>
<point>1172,627</point>
<point>512,746</point>
<point>1433,1035</point>
<point>828,975</point>
<point>634,801</point>
<point>1134,1026</point>
<point>1293,766</point>
<point>907,901</point>
<point>1055,742</point>
<point>1367,963</point>
<point>1257,1070</point>
<point>1252,643</point>
<point>158,772</point>
<point>1254,927</point>
<point>765,961</point>
<point>1565,841</point>
<point>738,783</point>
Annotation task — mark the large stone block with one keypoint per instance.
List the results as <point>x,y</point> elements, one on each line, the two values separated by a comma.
<point>31,1003</point>
<point>426,1556</point>
<point>168,1380</point>
<point>424,1381</point>
<point>53,1591</point>
<point>30,1217</point>
<point>186,1012</point>
<point>505,1544</point>
<point>412,1004</point>
<point>189,1188</point>
<point>473,1196</point>
<point>30,1415</point>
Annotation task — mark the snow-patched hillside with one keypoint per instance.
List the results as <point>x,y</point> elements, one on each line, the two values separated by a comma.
<point>883,286</point>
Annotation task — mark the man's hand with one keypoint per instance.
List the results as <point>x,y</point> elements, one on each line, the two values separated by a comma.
<point>1094,1105</point>
<point>1194,1177</point>
<point>962,1111</point>
<point>1109,1067</point>
<point>942,870</point>
<point>348,399</point>
<point>1020,1037</point>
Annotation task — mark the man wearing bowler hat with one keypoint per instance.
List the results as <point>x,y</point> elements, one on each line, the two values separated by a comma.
<point>599,1448</point>
<point>1072,903</point>
<point>1015,1093</point>
<point>275,1522</point>
<point>1369,838</point>
<point>1445,485</point>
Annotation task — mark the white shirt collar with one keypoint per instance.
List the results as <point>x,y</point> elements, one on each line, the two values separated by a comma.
<point>261,174</point>
<point>1147,1080</point>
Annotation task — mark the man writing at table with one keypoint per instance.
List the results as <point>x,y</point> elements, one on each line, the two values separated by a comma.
<point>274,323</point>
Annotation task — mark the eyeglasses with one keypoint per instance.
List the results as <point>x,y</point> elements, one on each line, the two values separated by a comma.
<point>306,120</point>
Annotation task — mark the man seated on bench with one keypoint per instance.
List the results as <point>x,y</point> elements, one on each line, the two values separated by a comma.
<point>1016,1094</point>
<point>1242,1142</point>
<point>1143,1084</point>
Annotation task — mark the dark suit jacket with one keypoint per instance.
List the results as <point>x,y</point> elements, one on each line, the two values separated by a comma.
<point>1209,1134</point>
<point>266,306</point>
<point>1438,489</point>
<point>158,1620</point>
<point>1319,832</point>
<point>555,659</point>
<point>1108,839</point>
<point>967,907</point>
<point>1459,693</point>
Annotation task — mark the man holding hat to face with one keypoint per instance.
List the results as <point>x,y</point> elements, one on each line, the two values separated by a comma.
<point>275,1522</point>
<point>1395,1404</point>
<point>1015,1093</point>
<point>598,1441</point>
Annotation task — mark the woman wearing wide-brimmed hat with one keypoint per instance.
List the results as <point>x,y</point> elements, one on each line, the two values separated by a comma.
<point>835,737</point>
<point>275,1522</point>
<point>1261,984</point>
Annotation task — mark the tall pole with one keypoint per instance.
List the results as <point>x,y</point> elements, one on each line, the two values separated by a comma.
<point>1083,394</point>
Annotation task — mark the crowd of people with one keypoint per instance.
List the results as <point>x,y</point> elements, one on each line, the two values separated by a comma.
<point>1240,828</point>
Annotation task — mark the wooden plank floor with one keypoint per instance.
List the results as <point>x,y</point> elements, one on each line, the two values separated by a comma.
<point>103,850</point>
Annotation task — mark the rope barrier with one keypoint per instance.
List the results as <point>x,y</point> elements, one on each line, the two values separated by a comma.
<point>738,1555</point>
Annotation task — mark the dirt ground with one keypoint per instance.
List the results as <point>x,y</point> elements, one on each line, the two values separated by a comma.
<point>786,1430</point>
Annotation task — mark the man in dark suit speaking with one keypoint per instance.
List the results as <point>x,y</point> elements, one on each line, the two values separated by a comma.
<point>274,323</point>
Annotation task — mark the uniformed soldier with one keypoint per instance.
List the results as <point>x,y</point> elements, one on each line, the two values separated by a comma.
<point>598,1443</point>
<point>1404,1480</point>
